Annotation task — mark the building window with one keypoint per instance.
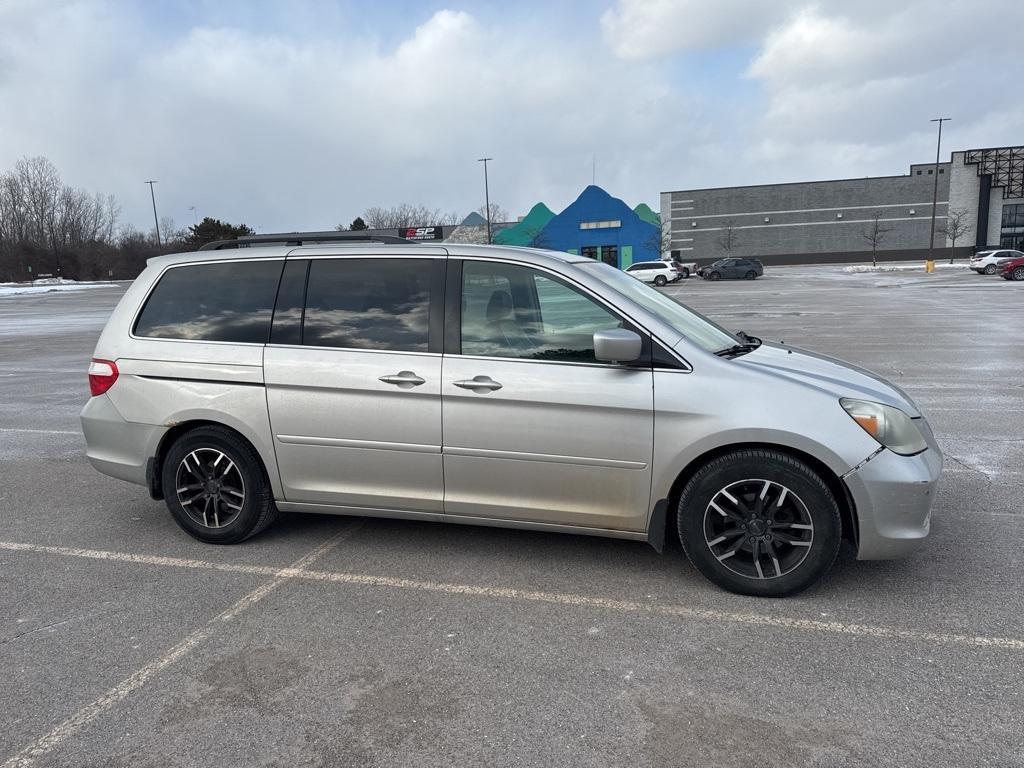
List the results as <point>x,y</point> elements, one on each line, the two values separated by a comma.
<point>610,255</point>
<point>942,170</point>
<point>1013,216</point>
<point>589,251</point>
<point>931,171</point>
<point>600,224</point>
<point>919,173</point>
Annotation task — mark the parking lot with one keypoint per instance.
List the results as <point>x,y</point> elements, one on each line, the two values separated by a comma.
<point>331,641</point>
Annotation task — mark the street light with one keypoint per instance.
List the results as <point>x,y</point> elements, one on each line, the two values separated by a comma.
<point>487,196</point>
<point>935,189</point>
<point>156,221</point>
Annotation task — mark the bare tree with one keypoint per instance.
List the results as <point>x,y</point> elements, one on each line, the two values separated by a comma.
<point>957,225</point>
<point>728,238</point>
<point>44,222</point>
<point>405,215</point>
<point>498,214</point>
<point>875,234</point>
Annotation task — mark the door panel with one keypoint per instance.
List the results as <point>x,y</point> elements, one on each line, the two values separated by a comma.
<point>535,428</point>
<point>345,437</point>
<point>353,377</point>
<point>566,444</point>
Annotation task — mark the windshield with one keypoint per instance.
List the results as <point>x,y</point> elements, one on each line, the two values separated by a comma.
<point>695,327</point>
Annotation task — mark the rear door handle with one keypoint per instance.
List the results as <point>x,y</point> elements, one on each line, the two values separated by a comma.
<point>479,384</point>
<point>404,379</point>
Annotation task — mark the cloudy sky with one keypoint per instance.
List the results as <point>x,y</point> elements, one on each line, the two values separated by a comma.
<point>299,115</point>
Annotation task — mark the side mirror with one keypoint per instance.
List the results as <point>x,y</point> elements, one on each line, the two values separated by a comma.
<point>617,345</point>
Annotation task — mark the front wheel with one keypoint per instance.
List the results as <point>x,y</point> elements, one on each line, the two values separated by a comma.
<point>1018,273</point>
<point>715,276</point>
<point>660,281</point>
<point>215,486</point>
<point>759,522</point>
<point>990,269</point>
<point>686,273</point>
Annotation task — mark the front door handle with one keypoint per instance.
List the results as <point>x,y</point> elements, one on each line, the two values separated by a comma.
<point>404,380</point>
<point>479,384</point>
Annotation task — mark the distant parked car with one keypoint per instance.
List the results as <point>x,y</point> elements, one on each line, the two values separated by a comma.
<point>684,268</point>
<point>1013,269</point>
<point>989,262</point>
<point>658,272</point>
<point>723,269</point>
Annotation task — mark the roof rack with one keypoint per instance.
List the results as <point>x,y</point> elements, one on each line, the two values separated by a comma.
<point>299,238</point>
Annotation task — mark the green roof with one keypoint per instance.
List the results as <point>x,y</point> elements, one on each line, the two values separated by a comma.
<point>527,230</point>
<point>644,212</point>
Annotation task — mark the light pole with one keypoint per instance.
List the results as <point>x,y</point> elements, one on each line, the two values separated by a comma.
<point>935,189</point>
<point>487,196</point>
<point>156,221</point>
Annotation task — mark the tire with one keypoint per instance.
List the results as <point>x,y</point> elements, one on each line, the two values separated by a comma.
<point>794,497</point>
<point>686,273</point>
<point>751,275</point>
<point>229,518</point>
<point>990,269</point>
<point>715,276</point>
<point>1018,273</point>
<point>660,281</point>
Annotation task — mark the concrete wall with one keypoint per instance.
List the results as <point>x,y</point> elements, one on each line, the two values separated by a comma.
<point>812,221</point>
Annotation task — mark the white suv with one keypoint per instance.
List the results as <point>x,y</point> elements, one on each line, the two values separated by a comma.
<point>988,262</point>
<point>657,272</point>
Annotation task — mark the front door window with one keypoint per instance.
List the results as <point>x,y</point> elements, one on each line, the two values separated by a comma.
<point>514,311</point>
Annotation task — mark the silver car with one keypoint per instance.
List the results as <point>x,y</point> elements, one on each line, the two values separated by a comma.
<point>497,386</point>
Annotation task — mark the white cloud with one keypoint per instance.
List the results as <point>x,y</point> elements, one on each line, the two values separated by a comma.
<point>287,132</point>
<point>641,29</point>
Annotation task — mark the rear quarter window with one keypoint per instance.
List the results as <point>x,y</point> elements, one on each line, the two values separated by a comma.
<point>227,301</point>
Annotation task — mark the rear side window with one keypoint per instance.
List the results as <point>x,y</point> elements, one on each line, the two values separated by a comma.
<point>368,304</point>
<point>230,301</point>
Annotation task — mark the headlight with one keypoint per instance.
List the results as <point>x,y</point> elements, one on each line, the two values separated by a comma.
<point>889,426</point>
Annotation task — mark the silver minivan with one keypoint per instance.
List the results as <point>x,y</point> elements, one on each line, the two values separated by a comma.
<point>497,386</point>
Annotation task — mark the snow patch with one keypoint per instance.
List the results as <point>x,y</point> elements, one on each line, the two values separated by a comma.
<point>856,269</point>
<point>48,285</point>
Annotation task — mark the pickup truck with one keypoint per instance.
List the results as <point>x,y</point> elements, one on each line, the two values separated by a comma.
<point>684,268</point>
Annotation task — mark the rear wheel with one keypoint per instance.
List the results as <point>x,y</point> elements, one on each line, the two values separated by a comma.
<point>686,273</point>
<point>990,269</point>
<point>759,522</point>
<point>215,486</point>
<point>715,276</point>
<point>660,281</point>
<point>1018,273</point>
<point>751,274</point>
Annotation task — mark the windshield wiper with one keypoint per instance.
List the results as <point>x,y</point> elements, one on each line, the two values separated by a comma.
<point>750,343</point>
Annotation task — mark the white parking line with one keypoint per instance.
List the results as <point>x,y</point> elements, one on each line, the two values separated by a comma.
<point>46,744</point>
<point>880,632</point>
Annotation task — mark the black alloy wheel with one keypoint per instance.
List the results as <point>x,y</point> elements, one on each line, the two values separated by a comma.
<point>215,486</point>
<point>759,522</point>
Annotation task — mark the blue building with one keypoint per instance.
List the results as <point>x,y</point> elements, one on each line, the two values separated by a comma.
<point>604,228</point>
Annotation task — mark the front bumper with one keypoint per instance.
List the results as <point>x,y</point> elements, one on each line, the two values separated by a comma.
<point>117,447</point>
<point>893,498</point>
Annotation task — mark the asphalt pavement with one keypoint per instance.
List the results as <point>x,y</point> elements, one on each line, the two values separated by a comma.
<point>331,641</point>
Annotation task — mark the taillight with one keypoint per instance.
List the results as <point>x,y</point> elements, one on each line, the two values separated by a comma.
<point>102,375</point>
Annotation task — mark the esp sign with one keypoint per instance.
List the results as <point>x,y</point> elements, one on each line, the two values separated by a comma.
<point>420,233</point>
